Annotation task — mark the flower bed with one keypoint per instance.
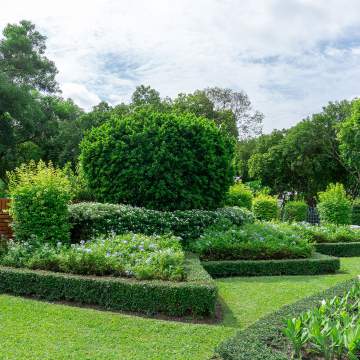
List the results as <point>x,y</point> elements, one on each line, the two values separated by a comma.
<point>259,241</point>
<point>128,255</point>
<point>196,296</point>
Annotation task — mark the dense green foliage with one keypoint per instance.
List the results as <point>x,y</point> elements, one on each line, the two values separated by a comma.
<point>355,214</point>
<point>264,339</point>
<point>196,297</point>
<point>317,264</point>
<point>348,137</point>
<point>295,211</point>
<point>239,195</point>
<point>334,205</point>
<point>265,207</point>
<point>93,219</point>
<point>158,160</point>
<point>330,331</point>
<point>251,241</point>
<point>128,255</point>
<point>341,249</point>
<point>40,195</point>
<point>328,233</point>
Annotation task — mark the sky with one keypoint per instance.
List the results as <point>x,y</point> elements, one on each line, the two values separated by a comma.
<point>290,56</point>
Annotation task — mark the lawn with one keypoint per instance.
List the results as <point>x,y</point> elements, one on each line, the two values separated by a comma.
<point>37,330</point>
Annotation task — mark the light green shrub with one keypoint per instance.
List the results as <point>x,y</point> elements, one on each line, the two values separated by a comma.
<point>334,205</point>
<point>356,212</point>
<point>265,207</point>
<point>39,195</point>
<point>295,211</point>
<point>239,195</point>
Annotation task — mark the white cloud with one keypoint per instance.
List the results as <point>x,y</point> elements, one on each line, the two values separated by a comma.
<point>290,56</point>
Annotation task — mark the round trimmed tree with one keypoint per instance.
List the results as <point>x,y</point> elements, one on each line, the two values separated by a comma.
<point>163,161</point>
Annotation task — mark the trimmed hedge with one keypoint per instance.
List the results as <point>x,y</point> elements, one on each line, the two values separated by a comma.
<point>318,264</point>
<point>339,249</point>
<point>197,296</point>
<point>264,339</point>
<point>91,219</point>
<point>259,341</point>
<point>295,211</point>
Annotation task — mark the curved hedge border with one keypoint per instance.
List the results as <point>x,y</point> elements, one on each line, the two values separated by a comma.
<point>91,219</point>
<point>197,296</point>
<point>318,264</point>
<point>264,339</point>
<point>349,249</point>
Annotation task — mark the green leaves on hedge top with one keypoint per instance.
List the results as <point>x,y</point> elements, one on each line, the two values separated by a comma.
<point>163,161</point>
<point>39,208</point>
<point>265,207</point>
<point>92,219</point>
<point>252,241</point>
<point>334,206</point>
<point>239,195</point>
<point>128,255</point>
<point>295,211</point>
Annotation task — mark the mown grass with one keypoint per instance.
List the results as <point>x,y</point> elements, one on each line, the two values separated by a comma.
<point>32,329</point>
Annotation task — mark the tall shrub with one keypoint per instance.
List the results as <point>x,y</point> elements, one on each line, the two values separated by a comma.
<point>163,161</point>
<point>295,211</point>
<point>239,195</point>
<point>356,212</point>
<point>39,203</point>
<point>334,205</point>
<point>265,207</point>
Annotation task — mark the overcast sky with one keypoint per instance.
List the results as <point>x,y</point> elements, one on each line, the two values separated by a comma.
<point>291,57</point>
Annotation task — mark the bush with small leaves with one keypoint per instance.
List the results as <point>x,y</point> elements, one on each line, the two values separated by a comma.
<point>265,207</point>
<point>334,205</point>
<point>239,195</point>
<point>40,195</point>
<point>295,211</point>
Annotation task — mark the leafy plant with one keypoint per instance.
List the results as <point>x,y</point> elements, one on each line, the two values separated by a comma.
<point>334,205</point>
<point>356,212</point>
<point>265,207</point>
<point>251,241</point>
<point>137,160</point>
<point>40,195</point>
<point>129,255</point>
<point>239,195</point>
<point>295,211</point>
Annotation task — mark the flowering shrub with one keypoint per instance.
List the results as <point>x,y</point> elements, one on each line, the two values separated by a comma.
<point>130,255</point>
<point>330,331</point>
<point>94,219</point>
<point>252,241</point>
<point>328,233</point>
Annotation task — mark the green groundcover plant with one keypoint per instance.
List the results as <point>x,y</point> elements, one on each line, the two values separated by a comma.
<point>330,331</point>
<point>328,233</point>
<point>128,255</point>
<point>252,242</point>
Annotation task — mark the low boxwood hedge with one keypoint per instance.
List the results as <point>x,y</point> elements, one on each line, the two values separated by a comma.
<point>91,219</point>
<point>317,264</point>
<point>351,249</point>
<point>197,296</point>
<point>264,339</point>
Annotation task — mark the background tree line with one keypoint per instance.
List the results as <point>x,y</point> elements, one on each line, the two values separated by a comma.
<point>37,123</point>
